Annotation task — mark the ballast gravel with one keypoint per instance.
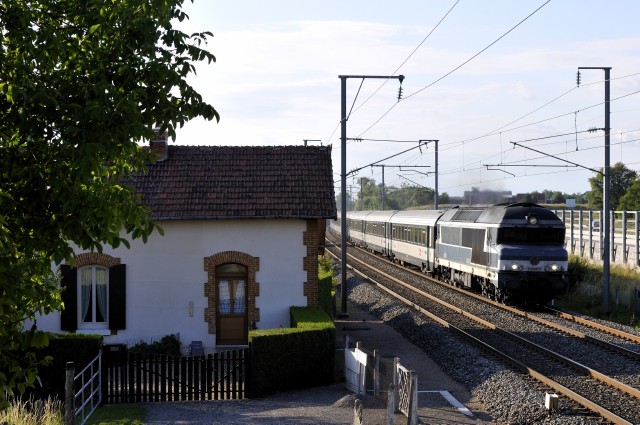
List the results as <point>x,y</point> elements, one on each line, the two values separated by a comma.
<point>507,396</point>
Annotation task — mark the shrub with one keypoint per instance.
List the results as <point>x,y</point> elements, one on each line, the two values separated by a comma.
<point>326,285</point>
<point>168,345</point>
<point>291,358</point>
<point>77,348</point>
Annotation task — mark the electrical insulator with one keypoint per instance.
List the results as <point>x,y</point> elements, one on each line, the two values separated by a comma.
<point>399,93</point>
<point>578,78</point>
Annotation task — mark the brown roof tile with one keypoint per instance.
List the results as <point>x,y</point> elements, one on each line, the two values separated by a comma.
<point>239,182</point>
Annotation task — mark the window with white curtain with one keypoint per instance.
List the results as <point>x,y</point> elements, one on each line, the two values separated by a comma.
<point>93,299</point>
<point>231,296</point>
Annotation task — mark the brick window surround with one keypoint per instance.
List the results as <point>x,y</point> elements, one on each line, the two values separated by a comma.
<point>210,287</point>
<point>94,259</point>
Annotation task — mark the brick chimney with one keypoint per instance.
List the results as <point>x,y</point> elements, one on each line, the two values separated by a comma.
<point>158,145</point>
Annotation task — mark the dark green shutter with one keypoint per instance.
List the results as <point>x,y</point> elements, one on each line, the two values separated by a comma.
<point>69,294</point>
<point>118,297</point>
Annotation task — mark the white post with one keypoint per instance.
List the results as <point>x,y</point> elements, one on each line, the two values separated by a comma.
<point>391,404</point>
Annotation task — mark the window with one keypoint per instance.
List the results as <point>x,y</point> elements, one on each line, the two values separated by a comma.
<point>231,296</point>
<point>531,235</point>
<point>93,297</point>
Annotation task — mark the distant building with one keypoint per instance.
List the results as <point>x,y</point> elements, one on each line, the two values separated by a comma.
<point>486,197</point>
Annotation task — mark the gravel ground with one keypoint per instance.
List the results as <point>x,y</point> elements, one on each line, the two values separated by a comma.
<point>507,396</point>
<point>330,405</point>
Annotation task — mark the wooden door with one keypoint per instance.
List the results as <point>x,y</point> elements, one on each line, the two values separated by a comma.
<point>231,318</point>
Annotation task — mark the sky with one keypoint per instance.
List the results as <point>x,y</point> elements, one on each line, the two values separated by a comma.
<point>494,81</point>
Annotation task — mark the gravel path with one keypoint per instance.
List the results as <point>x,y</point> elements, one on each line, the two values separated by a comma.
<point>330,405</point>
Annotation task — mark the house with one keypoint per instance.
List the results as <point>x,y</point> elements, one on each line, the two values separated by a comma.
<point>242,229</point>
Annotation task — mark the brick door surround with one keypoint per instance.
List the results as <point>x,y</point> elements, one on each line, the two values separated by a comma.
<point>210,287</point>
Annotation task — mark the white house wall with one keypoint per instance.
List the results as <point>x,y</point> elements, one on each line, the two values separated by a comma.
<point>167,273</point>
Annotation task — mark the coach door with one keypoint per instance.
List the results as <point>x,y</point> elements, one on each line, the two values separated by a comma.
<point>231,315</point>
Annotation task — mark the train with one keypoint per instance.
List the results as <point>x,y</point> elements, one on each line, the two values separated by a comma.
<point>512,252</point>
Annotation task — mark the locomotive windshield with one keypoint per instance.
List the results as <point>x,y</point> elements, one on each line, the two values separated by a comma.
<point>517,235</point>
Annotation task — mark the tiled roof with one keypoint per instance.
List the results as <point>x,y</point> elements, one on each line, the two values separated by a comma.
<point>197,182</point>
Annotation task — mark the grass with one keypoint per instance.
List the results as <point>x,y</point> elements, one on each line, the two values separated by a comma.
<point>33,412</point>
<point>50,412</point>
<point>121,414</point>
<point>585,292</point>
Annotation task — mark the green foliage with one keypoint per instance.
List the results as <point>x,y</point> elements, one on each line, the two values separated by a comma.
<point>81,82</point>
<point>630,201</point>
<point>407,196</point>
<point>326,285</point>
<point>291,358</point>
<point>621,179</point>
<point>63,348</point>
<point>585,291</point>
<point>168,345</point>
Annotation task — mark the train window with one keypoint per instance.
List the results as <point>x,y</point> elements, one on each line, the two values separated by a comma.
<point>526,235</point>
<point>450,235</point>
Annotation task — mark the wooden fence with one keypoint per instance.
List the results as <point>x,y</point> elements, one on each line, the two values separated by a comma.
<point>141,378</point>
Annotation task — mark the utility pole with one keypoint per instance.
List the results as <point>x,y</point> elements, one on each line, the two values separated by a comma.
<point>343,174</point>
<point>435,195</point>
<point>606,187</point>
<point>396,166</point>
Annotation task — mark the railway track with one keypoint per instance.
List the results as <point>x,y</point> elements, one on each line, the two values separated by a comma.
<point>601,375</point>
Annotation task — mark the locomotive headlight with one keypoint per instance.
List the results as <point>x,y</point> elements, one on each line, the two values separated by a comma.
<point>516,267</point>
<point>552,268</point>
<point>532,219</point>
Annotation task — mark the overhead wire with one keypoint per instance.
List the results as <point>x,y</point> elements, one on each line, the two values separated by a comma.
<point>397,69</point>
<point>456,68</point>
<point>410,55</point>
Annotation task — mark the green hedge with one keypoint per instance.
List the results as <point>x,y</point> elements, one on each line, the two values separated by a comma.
<point>292,358</point>
<point>168,345</point>
<point>80,349</point>
<point>326,285</point>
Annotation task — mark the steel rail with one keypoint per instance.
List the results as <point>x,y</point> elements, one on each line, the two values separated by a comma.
<point>594,325</point>
<point>605,413</point>
<point>603,328</point>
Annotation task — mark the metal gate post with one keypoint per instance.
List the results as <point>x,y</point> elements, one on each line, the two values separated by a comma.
<point>376,373</point>
<point>413,398</point>
<point>69,395</point>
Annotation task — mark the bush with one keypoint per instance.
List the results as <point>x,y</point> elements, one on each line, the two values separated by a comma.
<point>77,348</point>
<point>326,285</point>
<point>292,358</point>
<point>168,345</point>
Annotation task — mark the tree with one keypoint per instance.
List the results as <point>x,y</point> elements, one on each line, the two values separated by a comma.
<point>630,201</point>
<point>370,195</point>
<point>443,198</point>
<point>621,179</point>
<point>81,82</point>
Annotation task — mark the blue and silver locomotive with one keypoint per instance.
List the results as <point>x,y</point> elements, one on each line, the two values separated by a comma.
<point>510,252</point>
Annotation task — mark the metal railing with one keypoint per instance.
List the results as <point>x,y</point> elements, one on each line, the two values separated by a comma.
<point>584,236</point>
<point>89,395</point>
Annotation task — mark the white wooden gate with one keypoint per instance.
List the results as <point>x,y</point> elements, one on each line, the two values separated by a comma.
<point>355,362</point>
